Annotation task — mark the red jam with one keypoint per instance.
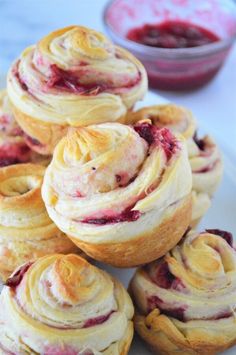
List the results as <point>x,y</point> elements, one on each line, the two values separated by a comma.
<point>228,237</point>
<point>169,72</point>
<point>172,34</point>
<point>70,81</point>
<point>98,320</point>
<point>127,215</point>
<point>156,302</point>
<point>14,154</point>
<point>164,278</point>
<point>17,277</point>
<point>158,136</point>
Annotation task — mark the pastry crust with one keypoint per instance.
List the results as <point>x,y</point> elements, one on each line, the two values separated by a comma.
<point>26,231</point>
<point>73,77</point>
<point>146,247</point>
<point>185,302</point>
<point>63,305</point>
<point>122,200</point>
<point>13,147</point>
<point>204,156</point>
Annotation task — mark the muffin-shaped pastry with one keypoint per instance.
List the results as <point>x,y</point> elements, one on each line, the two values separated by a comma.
<point>60,304</point>
<point>26,231</point>
<point>123,194</point>
<point>186,301</point>
<point>204,155</point>
<point>13,148</point>
<point>73,77</point>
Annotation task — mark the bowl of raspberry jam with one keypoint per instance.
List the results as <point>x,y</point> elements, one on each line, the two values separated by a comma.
<point>182,43</point>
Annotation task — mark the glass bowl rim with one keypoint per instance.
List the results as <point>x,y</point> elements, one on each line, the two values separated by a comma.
<point>172,53</point>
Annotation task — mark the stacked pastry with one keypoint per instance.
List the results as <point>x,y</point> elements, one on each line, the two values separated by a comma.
<point>204,155</point>
<point>13,148</point>
<point>124,186</point>
<point>50,88</point>
<point>73,77</point>
<point>185,301</point>
<point>63,305</point>
<point>26,231</point>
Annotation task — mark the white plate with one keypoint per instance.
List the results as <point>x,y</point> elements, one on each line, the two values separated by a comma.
<point>221,214</point>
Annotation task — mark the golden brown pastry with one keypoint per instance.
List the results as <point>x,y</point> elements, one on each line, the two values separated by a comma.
<point>63,305</point>
<point>13,148</point>
<point>73,77</point>
<point>123,194</point>
<point>26,231</point>
<point>204,156</point>
<point>186,301</point>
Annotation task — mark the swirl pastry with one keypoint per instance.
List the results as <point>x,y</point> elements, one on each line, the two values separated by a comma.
<point>73,77</point>
<point>13,149</point>
<point>123,194</point>
<point>204,155</point>
<point>63,305</point>
<point>26,231</point>
<point>186,301</point>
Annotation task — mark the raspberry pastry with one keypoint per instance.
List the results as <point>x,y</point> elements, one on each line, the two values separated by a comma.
<point>63,305</point>
<point>204,155</point>
<point>186,301</point>
<point>13,149</point>
<point>123,194</point>
<point>26,231</point>
<point>73,77</point>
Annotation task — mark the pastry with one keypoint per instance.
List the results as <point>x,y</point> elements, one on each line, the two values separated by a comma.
<point>122,194</point>
<point>186,301</point>
<point>13,149</point>
<point>26,231</point>
<point>63,305</point>
<point>204,155</point>
<point>74,76</point>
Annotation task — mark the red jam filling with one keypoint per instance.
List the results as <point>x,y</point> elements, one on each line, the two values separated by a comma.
<point>127,215</point>
<point>17,277</point>
<point>14,154</point>
<point>159,136</point>
<point>172,34</point>
<point>156,302</point>
<point>227,236</point>
<point>164,278</point>
<point>58,350</point>
<point>32,141</point>
<point>98,320</point>
<point>199,142</point>
<point>67,80</point>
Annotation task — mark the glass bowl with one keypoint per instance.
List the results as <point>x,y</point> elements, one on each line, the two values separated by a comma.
<point>177,68</point>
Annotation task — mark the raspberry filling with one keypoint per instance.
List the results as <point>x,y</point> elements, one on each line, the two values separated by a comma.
<point>172,34</point>
<point>199,142</point>
<point>17,277</point>
<point>158,136</point>
<point>32,141</point>
<point>98,320</point>
<point>127,215</point>
<point>156,302</point>
<point>58,350</point>
<point>14,154</point>
<point>70,81</point>
<point>228,237</point>
<point>165,279</point>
